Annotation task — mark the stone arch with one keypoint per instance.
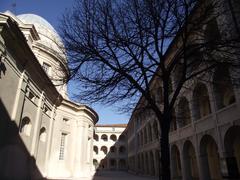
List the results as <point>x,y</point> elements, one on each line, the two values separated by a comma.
<point>209,158</point>
<point>104,137</point>
<point>113,137</point>
<point>176,163</point>
<point>184,115</point>
<point>122,149</point>
<point>155,129</point>
<point>149,132</point>
<point>122,164</point>
<point>103,164</point>
<point>95,149</point>
<point>113,164</point>
<point>104,149</point>
<point>113,149</point>
<point>232,148</point>
<point>211,33</point>
<point>201,103</point>
<point>222,88</point>
<point>190,160</point>
<point>96,137</point>
<point>122,138</point>
<point>26,126</point>
<point>43,134</point>
<point>173,126</point>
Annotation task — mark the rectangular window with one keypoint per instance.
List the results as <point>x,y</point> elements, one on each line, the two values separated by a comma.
<point>62,146</point>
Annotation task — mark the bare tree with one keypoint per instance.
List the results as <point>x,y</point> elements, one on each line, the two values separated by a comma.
<point>116,49</point>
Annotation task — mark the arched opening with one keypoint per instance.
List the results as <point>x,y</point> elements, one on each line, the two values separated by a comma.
<point>155,129</point>
<point>43,134</point>
<point>96,138</point>
<point>122,138</point>
<point>201,103</point>
<point>232,148</point>
<point>222,87</point>
<point>209,158</point>
<point>184,115</point>
<point>95,163</point>
<point>122,150</point>
<point>103,164</point>
<point>173,126</point>
<point>190,161</point>
<point>176,163</point>
<point>112,149</point>
<point>113,137</point>
<point>25,126</point>
<point>159,95</point>
<point>104,149</point>
<point>145,135</point>
<point>149,132</point>
<point>95,149</point>
<point>113,164</point>
<point>122,164</point>
<point>212,34</point>
<point>104,137</point>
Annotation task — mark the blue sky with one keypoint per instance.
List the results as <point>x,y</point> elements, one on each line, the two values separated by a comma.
<point>51,10</point>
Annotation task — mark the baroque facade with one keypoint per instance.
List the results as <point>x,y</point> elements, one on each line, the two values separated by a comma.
<point>42,133</point>
<point>205,130</point>
<point>110,147</point>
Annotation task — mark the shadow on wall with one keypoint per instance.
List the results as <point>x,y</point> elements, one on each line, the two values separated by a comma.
<point>15,161</point>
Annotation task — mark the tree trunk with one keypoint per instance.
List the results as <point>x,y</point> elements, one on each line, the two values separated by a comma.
<point>165,173</point>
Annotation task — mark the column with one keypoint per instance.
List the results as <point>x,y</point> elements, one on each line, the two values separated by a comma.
<point>79,153</point>
<point>37,125</point>
<point>184,168</point>
<point>49,139</point>
<point>229,167</point>
<point>19,98</point>
<point>203,167</point>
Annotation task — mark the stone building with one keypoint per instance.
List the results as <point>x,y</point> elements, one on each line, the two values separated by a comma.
<point>42,132</point>
<point>205,130</point>
<point>110,147</point>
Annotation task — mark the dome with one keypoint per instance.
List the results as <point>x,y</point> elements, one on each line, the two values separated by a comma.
<point>49,38</point>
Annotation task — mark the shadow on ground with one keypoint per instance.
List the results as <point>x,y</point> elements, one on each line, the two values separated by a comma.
<point>119,175</point>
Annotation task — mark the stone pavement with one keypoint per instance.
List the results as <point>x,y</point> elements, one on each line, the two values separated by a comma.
<point>118,175</point>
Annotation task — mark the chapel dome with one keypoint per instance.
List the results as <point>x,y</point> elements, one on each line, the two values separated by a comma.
<point>49,38</point>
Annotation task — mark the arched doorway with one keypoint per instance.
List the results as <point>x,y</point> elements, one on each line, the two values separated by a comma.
<point>190,161</point>
<point>209,157</point>
<point>176,163</point>
<point>201,103</point>
<point>232,148</point>
<point>113,164</point>
<point>223,89</point>
<point>122,164</point>
<point>103,164</point>
<point>184,115</point>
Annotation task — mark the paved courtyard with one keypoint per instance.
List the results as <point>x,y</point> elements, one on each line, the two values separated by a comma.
<point>118,175</point>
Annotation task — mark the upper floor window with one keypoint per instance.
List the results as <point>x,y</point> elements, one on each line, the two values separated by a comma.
<point>62,146</point>
<point>104,137</point>
<point>66,120</point>
<point>25,126</point>
<point>46,67</point>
